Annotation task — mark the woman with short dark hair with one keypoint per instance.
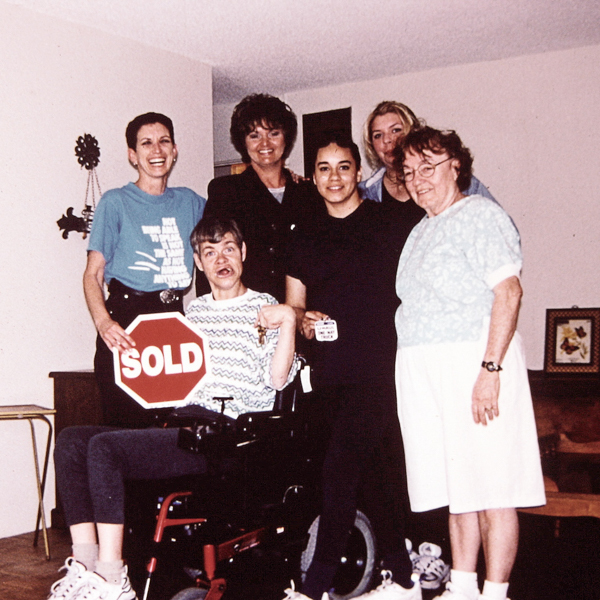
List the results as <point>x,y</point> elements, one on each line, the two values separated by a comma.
<point>264,199</point>
<point>341,276</point>
<point>139,246</point>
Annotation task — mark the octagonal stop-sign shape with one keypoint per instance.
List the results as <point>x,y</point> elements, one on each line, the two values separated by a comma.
<point>167,364</point>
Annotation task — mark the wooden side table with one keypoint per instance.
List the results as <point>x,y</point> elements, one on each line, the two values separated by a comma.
<point>33,412</point>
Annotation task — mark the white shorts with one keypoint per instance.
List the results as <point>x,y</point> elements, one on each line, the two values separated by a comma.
<point>450,460</point>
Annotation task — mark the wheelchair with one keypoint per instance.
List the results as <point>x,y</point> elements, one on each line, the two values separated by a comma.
<point>249,526</point>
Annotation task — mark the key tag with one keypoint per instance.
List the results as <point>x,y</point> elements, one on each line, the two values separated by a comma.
<point>326,331</point>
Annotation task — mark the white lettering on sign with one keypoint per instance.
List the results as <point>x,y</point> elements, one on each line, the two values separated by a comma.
<point>154,360</point>
<point>159,361</point>
<point>131,367</point>
<point>191,357</point>
<point>170,368</point>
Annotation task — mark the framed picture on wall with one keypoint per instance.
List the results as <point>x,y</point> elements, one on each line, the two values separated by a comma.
<point>572,341</point>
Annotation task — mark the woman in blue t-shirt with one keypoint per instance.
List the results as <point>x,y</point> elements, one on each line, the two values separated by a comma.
<point>139,246</point>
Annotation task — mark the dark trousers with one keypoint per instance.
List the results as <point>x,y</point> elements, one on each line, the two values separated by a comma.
<point>361,419</point>
<point>93,462</point>
<point>118,408</point>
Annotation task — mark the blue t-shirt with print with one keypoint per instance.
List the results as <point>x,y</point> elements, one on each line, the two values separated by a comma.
<point>144,239</point>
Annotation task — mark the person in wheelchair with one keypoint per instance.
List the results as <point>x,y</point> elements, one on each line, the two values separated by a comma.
<point>252,355</point>
<point>340,282</point>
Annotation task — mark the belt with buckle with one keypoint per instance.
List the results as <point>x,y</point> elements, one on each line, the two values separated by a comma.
<point>168,296</point>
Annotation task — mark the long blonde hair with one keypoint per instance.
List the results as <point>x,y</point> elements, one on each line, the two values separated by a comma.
<point>405,114</point>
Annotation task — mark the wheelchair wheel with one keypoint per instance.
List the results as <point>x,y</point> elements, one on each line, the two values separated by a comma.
<point>357,564</point>
<point>191,594</point>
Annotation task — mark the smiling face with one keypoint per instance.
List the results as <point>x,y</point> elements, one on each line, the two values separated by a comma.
<point>154,153</point>
<point>265,147</point>
<point>222,263</point>
<point>438,192</point>
<point>337,178</point>
<point>386,131</point>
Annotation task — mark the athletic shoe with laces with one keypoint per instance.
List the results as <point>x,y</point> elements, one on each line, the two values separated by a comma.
<point>292,594</point>
<point>66,587</point>
<point>454,593</point>
<point>432,570</point>
<point>409,548</point>
<point>388,590</point>
<point>97,588</point>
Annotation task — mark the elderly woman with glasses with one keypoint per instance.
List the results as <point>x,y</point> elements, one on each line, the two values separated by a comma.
<point>463,395</point>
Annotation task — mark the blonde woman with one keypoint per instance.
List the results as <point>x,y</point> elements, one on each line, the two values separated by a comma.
<point>387,125</point>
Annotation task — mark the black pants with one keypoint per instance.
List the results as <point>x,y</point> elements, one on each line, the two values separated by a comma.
<point>118,408</point>
<point>363,431</point>
<point>93,463</point>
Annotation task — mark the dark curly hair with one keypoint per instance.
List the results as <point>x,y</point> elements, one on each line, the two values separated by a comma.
<point>437,142</point>
<point>146,119</point>
<point>267,111</point>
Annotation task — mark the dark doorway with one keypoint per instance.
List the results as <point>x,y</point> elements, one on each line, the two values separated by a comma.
<point>316,124</point>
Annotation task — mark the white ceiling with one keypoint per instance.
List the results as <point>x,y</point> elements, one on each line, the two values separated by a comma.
<point>279,46</point>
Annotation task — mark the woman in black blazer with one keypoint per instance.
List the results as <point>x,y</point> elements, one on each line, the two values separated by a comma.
<point>264,200</point>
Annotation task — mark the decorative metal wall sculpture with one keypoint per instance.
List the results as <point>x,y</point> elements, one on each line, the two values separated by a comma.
<point>88,156</point>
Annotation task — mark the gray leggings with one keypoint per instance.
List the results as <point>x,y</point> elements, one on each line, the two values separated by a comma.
<point>92,464</point>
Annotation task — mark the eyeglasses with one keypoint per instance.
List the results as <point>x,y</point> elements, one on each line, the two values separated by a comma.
<point>424,169</point>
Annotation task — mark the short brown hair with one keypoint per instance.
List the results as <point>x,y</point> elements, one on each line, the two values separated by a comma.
<point>150,118</point>
<point>437,142</point>
<point>213,230</point>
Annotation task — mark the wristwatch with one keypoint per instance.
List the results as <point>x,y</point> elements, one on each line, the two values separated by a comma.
<point>491,366</point>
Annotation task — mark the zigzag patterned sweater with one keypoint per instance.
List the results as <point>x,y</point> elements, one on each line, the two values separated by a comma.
<point>239,366</point>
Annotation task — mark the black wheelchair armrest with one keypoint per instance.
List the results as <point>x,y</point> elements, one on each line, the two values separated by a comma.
<point>202,430</point>
<point>213,436</point>
<point>254,424</point>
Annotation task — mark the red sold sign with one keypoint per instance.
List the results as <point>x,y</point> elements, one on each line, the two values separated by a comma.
<point>167,364</point>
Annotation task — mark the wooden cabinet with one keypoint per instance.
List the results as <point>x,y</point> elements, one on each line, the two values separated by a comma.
<point>565,404</point>
<point>77,402</point>
<point>76,399</point>
<point>567,412</point>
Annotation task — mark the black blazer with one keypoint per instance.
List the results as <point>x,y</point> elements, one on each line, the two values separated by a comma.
<point>265,224</point>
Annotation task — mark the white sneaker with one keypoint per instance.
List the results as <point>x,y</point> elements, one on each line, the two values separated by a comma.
<point>66,587</point>
<point>292,594</point>
<point>454,593</point>
<point>409,548</point>
<point>388,590</point>
<point>432,570</point>
<point>97,588</point>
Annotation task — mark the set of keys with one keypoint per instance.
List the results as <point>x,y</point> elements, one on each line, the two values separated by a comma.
<point>262,332</point>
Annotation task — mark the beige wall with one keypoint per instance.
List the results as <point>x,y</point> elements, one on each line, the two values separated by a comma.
<point>58,82</point>
<point>532,123</point>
